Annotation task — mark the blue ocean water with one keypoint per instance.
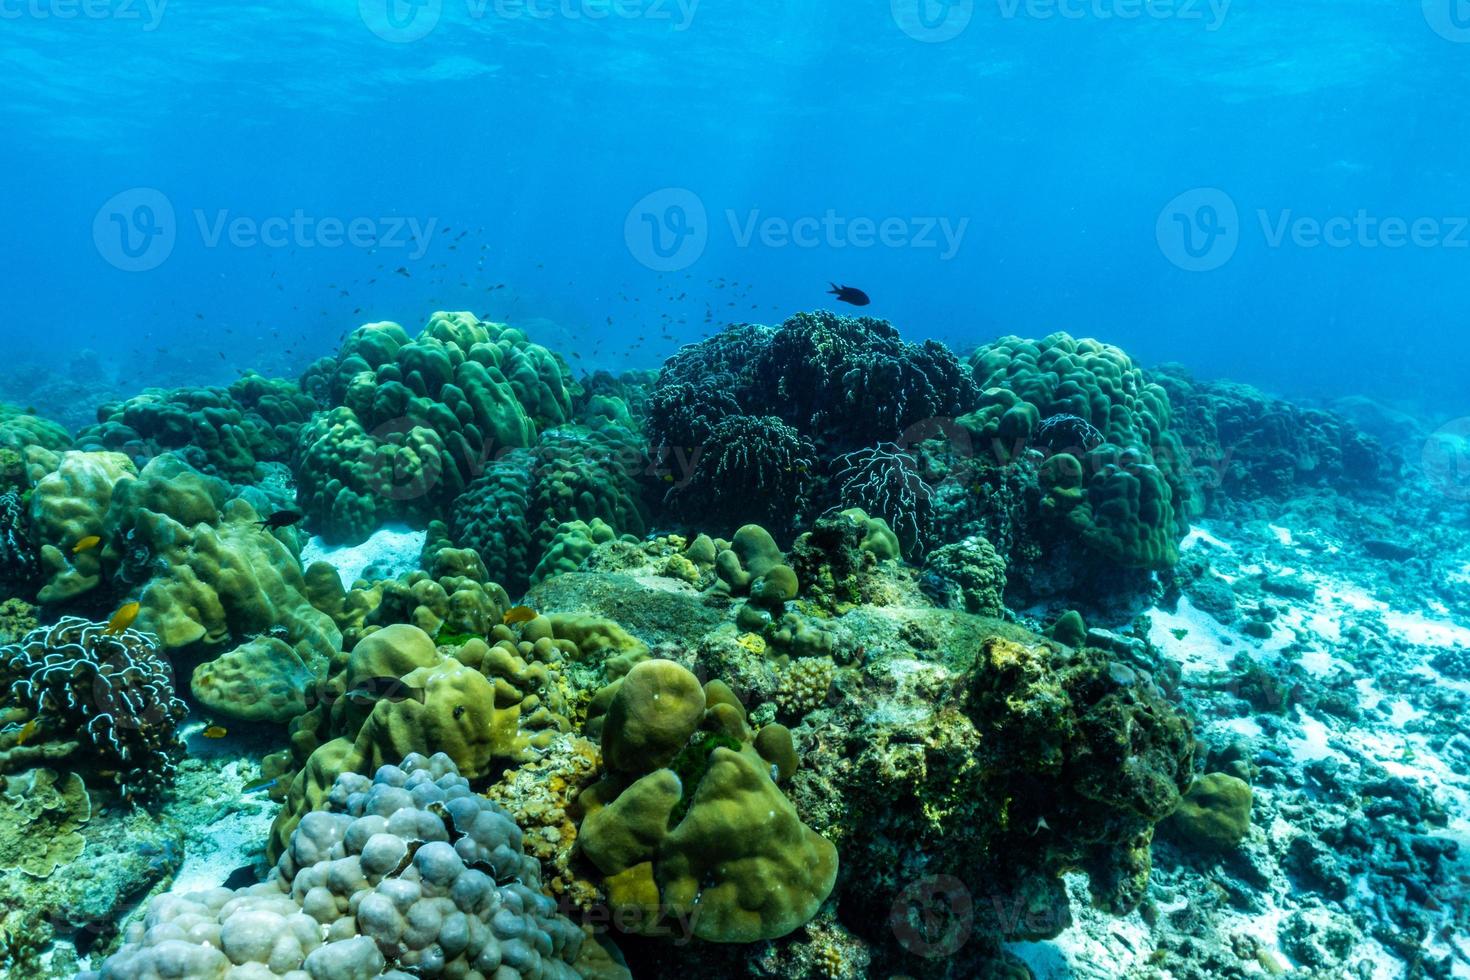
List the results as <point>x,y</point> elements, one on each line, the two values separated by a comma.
<point>1269,191</point>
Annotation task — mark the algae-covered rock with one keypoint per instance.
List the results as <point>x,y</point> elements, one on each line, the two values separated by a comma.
<point>40,814</point>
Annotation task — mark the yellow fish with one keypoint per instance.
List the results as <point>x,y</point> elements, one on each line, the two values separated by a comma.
<point>520,614</point>
<point>215,731</point>
<point>122,619</point>
<point>86,544</point>
<point>26,732</point>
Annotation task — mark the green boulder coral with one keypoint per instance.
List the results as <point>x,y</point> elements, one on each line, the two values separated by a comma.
<point>689,821</point>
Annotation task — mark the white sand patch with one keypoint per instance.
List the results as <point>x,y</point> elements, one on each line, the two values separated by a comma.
<point>1205,644</point>
<point>1425,632</point>
<point>212,852</point>
<point>1198,536</point>
<point>1244,727</point>
<point>394,547</point>
<point>1313,743</point>
<point>1283,535</point>
<point>1097,947</point>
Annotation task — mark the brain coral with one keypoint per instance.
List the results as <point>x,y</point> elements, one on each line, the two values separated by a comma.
<point>414,421</point>
<point>408,872</point>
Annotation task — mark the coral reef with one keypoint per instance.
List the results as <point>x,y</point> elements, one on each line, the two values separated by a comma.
<point>224,432</point>
<point>754,415</point>
<point>414,421</point>
<point>408,870</point>
<point>82,696</point>
<point>689,824</point>
<point>1115,475</point>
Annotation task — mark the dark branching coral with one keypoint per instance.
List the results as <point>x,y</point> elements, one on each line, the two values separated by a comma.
<point>750,409</point>
<point>853,382</point>
<point>747,467</point>
<point>93,698</point>
<point>18,563</point>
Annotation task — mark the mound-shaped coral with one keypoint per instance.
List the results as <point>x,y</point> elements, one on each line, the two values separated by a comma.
<point>1115,476</point>
<point>408,871</point>
<point>397,693</point>
<point>689,824</point>
<point>225,432</point>
<point>413,422</point>
<point>201,566</point>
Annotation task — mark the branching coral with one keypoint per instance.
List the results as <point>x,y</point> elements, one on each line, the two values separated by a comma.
<point>884,481</point>
<point>106,700</point>
<point>824,383</point>
<point>748,466</point>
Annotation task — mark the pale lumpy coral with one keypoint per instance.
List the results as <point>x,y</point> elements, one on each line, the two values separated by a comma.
<point>408,872</point>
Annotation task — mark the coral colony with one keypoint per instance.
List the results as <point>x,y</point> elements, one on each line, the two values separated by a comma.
<point>815,654</point>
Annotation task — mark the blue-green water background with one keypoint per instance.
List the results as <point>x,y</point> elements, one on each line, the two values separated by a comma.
<point>1059,139</point>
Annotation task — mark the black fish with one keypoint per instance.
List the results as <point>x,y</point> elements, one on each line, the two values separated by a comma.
<point>281,518</point>
<point>242,877</point>
<point>850,294</point>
